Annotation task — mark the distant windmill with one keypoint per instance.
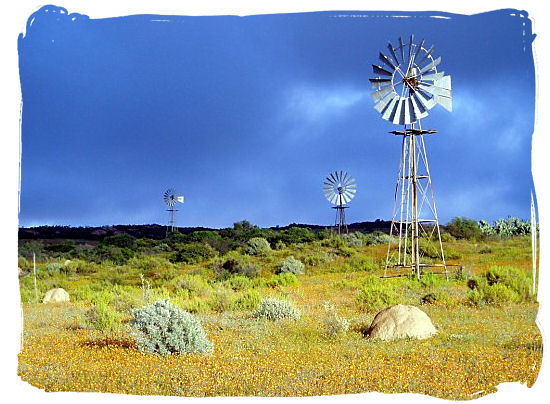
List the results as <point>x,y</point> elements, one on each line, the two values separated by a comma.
<point>406,86</point>
<point>171,197</point>
<point>339,188</point>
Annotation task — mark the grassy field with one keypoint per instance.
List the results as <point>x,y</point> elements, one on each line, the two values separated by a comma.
<point>485,335</point>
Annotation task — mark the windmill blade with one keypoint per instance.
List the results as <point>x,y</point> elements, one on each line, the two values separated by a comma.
<point>419,110</point>
<point>334,199</point>
<point>382,104</point>
<point>350,182</point>
<point>402,47</point>
<point>333,176</point>
<point>411,60</point>
<point>432,76</point>
<point>425,99</point>
<point>329,181</point>
<point>380,94</point>
<point>395,116</point>
<point>410,110</point>
<point>391,108</point>
<point>430,65</point>
<point>379,82</point>
<point>419,48</point>
<point>445,102</point>
<point>392,51</point>
<point>381,71</point>
<point>345,199</point>
<point>387,61</point>
<point>344,178</point>
<point>428,53</point>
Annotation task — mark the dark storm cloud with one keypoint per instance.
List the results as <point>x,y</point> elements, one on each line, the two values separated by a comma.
<point>246,115</point>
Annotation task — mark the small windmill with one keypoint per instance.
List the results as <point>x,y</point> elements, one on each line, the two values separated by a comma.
<point>171,197</point>
<point>339,188</point>
<point>407,85</point>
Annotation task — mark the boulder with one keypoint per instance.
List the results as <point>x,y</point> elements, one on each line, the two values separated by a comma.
<point>56,295</point>
<point>401,321</point>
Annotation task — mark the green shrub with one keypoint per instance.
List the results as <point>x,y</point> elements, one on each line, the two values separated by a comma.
<point>476,296</point>
<point>376,238</point>
<point>280,245</point>
<point>447,238</point>
<point>194,253</point>
<point>315,260</point>
<point>53,266</point>
<point>24,264</point>
<point>282,279</point>
<point>430,280</point>
<point>291,265</point>
<point>376,293</point>
<point>165,329</point>
<point>196,285</point>
<point>511,278</point>
<point>500,293</point>
<point>221,300</point>
<point>102,317</point>
<point>238,282</point>
<point>275,309</point>
<point>353,240</point>
<point>234,263</point>
<point>334,324</point>
<point>462,227</point>
<point>248,300</point>
<point>258,246</point>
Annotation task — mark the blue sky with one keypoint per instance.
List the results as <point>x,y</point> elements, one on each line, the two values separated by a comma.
<point>246,115</point>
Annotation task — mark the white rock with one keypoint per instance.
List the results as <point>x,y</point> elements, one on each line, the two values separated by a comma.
<point>401,321</point>
<point>56,295</point>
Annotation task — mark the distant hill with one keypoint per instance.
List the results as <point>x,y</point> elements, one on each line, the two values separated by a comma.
<point>158,232</point>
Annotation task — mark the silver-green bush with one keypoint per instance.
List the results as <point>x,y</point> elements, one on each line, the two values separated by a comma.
<point>164,329</point>
<point>258,246</point>
<point>273,309</point>
<point>291,265</point>
<point>334,324</point>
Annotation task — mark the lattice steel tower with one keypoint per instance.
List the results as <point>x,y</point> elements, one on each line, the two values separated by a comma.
<point>407,85</point>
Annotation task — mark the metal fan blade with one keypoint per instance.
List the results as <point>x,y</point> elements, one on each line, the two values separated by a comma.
<point>334,176</point>
<point>344,178</point>
<point>379,94</point>
<point>334,199</point>
<point>375,83</point>
<point>402,47</point>
<point>379,70</point>
<point>350,182</point>
<point>396,114</point>
<point>425,99</point>
<point>432,76</point>
<point>419,110</point>
<point>435,90</point>
<point>428,53</point>
<point>392,51</point>
<point>430,65</point>
<point>410,110</point>
<point>445,102</point>
<point>391,108</point>
<point>382,104</point>
<point>411,60</point>
<point>419,48</point>
<point>443,82</point>
<point>387,60</point>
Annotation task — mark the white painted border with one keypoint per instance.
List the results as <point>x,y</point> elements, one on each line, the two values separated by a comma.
<point>15,15</point>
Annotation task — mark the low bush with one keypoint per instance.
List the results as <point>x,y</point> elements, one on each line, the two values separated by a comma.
<point>430,280</point>
<point>221,300</point>
<point>353,240</point>
<point>283,279</point>
<point>238,282</point>
<point>194,253</point>
<point>334,324</point>
<point>275,309</point>
<point>102,317</point>
<point>196,285</point>
<point>258,246</point>
<point>499,285</point>
<point>247,301</point>
<point>164,329</point>
<point>291,265</point>
<point>462,227</point>
<point>234,263</point>
<point>376,293</point>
